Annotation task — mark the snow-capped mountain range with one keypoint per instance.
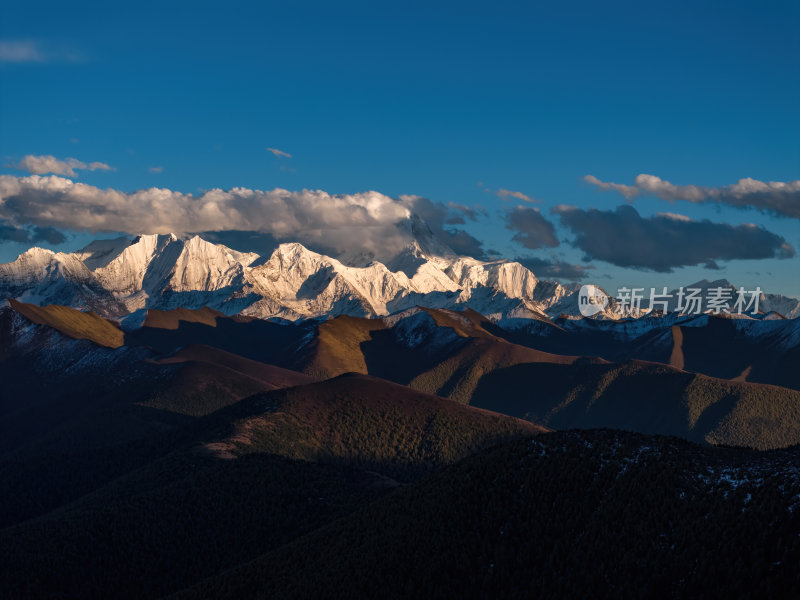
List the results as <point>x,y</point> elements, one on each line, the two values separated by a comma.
<point>120,278</point>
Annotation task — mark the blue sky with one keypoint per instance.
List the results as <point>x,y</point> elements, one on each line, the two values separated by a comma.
<point>452,102</point>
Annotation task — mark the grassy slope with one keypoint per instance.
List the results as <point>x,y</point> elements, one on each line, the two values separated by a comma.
<point>360,420</point>
<point>646,397</point>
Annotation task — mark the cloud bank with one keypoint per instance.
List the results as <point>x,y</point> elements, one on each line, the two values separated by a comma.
<point>666,241</point>
<point>30,234</point>
<point>364,223</point>
<point>778,198</point>
<point>441,218</point>
<point>40,165</point>
<point>532,229</point>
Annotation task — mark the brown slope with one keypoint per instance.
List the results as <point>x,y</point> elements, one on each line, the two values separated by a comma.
<point>348,344</point>
<point>466,323</point>
<point>362,420</point>
<point>171,319</point>
<point>337,346</point>
<point>273,377</point>
<point>676,357</point>
<point>449,363</point>
<point>457,376</point>
<point>72,322</point>
<point>645,397</point>
<point>194,381</point>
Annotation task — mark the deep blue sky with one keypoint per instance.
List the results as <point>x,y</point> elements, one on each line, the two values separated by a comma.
<point>414,99</point>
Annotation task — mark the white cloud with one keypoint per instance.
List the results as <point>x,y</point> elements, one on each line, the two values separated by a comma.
<point>650,184</point>
<point>775,197</point>
<point>32,51</point>
<point>21,52</point>
<point>156,169</point>
<point>364,222</point>
<point>39,165</point>
<point>277,152</point>
<point>506,194</point>
<point>629,191</point>
<point>673,216</point>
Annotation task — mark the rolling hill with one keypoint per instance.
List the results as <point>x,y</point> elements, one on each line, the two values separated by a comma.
<point>465,357</point>
<point>645,397</point>
<point>359,420</point>
<point>757,350</point>
<point>436,351</point>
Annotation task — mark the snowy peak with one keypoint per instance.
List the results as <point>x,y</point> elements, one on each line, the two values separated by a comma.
<point>298,257</point>
<point>511,278</point>
<point>27,264</point>
<point>101,252</point>
<point>311,284</point>
<point>155,263</point>
<point>37,264</point>
<point>125,274</point>
<point>204,266</point>
<point>41,276</point>
<point>119,277</point>
<point>35,254</point>
<point>198,248</point>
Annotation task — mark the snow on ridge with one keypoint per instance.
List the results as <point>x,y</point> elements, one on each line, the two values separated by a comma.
<point>118,277</point>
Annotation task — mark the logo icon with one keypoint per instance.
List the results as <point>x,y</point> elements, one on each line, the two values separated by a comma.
<point>591,300</point>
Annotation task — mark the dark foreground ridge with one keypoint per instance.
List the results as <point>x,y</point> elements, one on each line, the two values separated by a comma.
<point>593,513</point>
<point>563,515</point>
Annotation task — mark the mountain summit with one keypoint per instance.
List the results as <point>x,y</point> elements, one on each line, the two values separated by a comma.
<point>116,278</point>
